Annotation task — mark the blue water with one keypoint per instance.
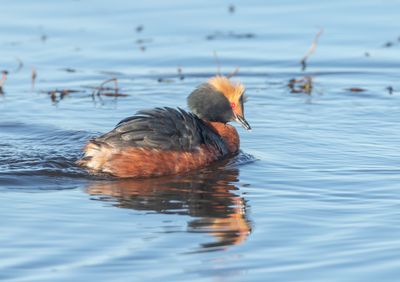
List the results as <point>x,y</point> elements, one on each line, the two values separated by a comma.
<point>313,196</point>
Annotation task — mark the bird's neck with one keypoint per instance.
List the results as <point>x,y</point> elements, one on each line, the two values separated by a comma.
<point>228,134</point>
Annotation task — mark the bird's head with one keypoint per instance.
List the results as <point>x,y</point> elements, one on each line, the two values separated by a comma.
<point>219,100</point>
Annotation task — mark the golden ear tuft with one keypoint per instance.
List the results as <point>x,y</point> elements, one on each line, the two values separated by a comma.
<point>232,90</point>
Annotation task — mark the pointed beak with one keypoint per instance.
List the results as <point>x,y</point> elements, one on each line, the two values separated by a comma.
<point>243,122</point>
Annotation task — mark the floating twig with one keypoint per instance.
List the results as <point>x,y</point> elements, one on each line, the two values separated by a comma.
<point>20,64</point>
<point>97,90</point>
<point>229,75</point>
<point>62,91</point>
<point>113,94</point>
<point>33,76</point>
<point>100,87</point>
<point>110,73</point>
<point>232,74</point>
<point>355,89</point>
<point>57,95</point>
<point>311,50</point>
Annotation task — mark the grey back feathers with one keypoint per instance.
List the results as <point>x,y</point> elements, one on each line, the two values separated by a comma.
<point>165,129</point>
<point>207,103</point>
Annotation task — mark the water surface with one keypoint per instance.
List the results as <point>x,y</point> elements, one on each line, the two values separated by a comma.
<point>313,196</point>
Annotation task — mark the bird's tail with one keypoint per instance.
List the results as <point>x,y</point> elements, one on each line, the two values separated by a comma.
<point>96,154</point>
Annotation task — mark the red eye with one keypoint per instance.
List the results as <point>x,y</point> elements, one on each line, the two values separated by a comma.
<point>233,105</point>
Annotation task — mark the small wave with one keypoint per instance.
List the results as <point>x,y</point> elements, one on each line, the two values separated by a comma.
<point>39,150</point>
<point>240,159</point>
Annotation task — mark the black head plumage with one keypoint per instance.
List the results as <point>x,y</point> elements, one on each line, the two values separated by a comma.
<point>210,104</point>
<point>219,100</point>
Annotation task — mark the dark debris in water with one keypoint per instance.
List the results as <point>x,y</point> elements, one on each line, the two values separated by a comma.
<point>390,90</point>
<point>165,80</point>
<point>71,70</point>
<point>139,28</point>
<point>113,94</point>
<point>230,35</point>
<point>391,43</point>
<point>58,94</point>
<point>3,79</point>
<point>302,85</point>
<point>110,73</point>
<point>64,91</point>
<point>356,89</point>
<point>97,91</point>
<point>231,9</point>
<point>180,73</point>
<point>171,80</point>
<point>141,43</point>
<point>388,44</point>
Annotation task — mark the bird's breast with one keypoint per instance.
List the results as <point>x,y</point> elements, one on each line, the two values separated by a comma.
<point>229,134</point>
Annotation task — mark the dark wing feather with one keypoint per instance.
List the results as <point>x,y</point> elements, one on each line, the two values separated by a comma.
<point>164,128</point>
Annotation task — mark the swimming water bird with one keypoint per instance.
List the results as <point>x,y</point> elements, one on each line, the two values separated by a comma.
<point>165,141</point>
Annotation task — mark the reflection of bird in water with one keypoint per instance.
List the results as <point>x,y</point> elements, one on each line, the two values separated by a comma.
<point>166,141</point>
<point>209,195</point>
